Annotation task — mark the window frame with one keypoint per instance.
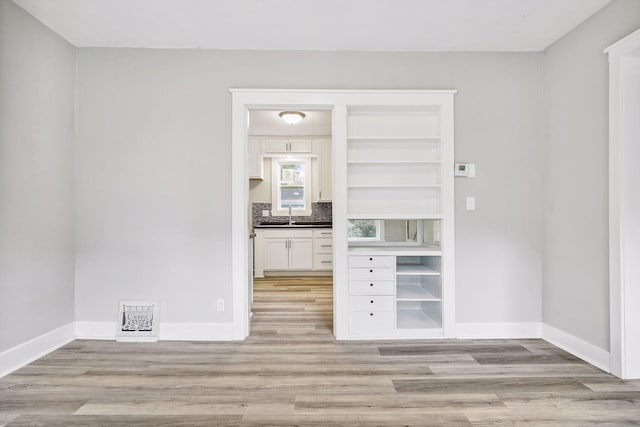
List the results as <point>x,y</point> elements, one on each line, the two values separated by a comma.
<point>276,196</point>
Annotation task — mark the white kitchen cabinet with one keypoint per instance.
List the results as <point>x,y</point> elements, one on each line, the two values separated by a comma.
<point>288,145</point>
<point>255,163</point>
<point>276,254</point>
<point>325,157</point>
<point>300,254</point>
<point>287,250</point>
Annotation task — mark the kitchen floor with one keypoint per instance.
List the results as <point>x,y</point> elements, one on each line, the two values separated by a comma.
<point>291,371</point>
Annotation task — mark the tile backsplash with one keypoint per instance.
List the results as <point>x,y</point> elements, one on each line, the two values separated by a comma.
<point>319,212</point>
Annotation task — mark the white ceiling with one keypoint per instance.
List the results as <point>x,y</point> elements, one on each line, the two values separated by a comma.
<point>268,122</point>
<point>392,25</point>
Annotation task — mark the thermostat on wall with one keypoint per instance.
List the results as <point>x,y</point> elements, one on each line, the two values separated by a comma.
<point>465,169</point>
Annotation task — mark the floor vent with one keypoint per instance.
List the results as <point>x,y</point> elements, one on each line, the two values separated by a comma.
<point>137,321</point>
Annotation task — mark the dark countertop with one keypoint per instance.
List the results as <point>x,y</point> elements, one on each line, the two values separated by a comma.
<point>295,225</point>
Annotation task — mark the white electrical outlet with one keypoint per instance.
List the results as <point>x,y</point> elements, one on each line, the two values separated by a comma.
<point>265,212</point>
<point>221,305</point>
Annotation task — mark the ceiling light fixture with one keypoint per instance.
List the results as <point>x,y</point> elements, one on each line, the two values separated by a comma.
<point>292,117</point>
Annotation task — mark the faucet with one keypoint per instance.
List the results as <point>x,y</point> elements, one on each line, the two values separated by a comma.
<point>290,215</point>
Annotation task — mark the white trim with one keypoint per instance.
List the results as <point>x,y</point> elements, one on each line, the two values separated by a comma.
<point>622,303</point>
<point>25,353</point>
<point>174,331</point>
<point>514,330</point>
<point>86,330</point>
<point>623,43</point>
<point>196,331</point>
<point>343,91</point>
<point>588,352</point>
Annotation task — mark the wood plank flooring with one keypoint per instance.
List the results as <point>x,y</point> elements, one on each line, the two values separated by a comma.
<point>291,371</point>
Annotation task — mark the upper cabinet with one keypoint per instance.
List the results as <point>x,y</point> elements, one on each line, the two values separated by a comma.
<point>288,145</point>
<point>255,163</point>
<point>317,149</point>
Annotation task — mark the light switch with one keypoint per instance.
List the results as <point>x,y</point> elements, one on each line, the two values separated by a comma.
<point>471,203</point>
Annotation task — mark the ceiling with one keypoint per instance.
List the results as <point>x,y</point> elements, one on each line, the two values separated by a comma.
<point>268,122</point>
<point>381,25</point>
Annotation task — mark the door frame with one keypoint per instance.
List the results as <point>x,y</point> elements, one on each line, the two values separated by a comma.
<point>244,100</point>
<point>624,241</point>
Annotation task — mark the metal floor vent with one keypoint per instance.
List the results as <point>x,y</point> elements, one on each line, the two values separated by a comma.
<point>137,321</point>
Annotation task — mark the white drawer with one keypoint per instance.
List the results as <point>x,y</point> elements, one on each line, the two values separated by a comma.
<point>371,287</point>
<point>322,245</point>
<point>370,322</point>
<point>323,232</point>
<point>371,273</point>
<point>323,261</point>
<point>371,303</point>
<point>371,261</point>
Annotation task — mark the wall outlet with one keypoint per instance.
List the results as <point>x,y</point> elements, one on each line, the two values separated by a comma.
<point>266,212</point>
<point>220,304</point>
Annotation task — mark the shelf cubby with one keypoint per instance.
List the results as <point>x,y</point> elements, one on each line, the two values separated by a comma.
<point>393,150</point>
<point>418,288</point>
<point>418,265</point>
<point>418,315</point>
<point>408,174</point>
<point>403,122</point>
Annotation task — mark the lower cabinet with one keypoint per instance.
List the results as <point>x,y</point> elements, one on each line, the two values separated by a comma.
<point>395,296</point>
<point>282,250</point>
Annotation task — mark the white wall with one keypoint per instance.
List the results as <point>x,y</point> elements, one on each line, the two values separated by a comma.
<point>37,73</point>
<point>576,258</point>
<point>154,156</point>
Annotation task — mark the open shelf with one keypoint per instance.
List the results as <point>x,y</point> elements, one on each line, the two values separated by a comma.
<point>394,216</point>
<point>416,269</point>
<point>393,162</point>
<point>393,138</point>
<point>394,186</point>
<point>415,293</point>
<point>417,319</point>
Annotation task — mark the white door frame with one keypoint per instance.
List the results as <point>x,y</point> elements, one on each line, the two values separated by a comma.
<point>242,101</point>
<point>624,233</point>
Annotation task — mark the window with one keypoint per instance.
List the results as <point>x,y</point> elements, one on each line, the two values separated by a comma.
<point>291,186</point>
<point>363,230</point>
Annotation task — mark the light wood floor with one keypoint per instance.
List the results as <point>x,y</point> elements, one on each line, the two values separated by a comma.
<point>292,372</point>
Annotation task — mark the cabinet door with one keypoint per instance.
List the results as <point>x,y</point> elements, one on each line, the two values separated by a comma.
<point>254,159</point>
<point>326,171</point>
<point>301,254</point>
<point>277,146</point>
<point>299,146</point>
<point>276,256</point>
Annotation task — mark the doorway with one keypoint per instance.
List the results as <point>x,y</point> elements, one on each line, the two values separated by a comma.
<point>289,173</point>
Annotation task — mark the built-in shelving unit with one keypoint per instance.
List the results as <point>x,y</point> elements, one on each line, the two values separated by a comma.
<point>400,167</point>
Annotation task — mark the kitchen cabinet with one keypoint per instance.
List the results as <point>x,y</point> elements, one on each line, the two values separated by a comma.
<point>285,249</point>
<point>255,163</point>
<point>288,145</point>
<point>325,156</point>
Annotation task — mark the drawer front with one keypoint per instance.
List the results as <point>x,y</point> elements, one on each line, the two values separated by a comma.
<point>371,261</point>
<point>371,287</point>
<point>323,245</point>
<point>371,303</point>
<point>371,273</point>
<point>370,322</point>
<point>323,232</point>
<point>323,261</point>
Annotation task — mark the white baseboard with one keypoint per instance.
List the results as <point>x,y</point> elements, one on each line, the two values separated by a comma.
<point>588,352</point>
<point>96,330</point>
<point>514,330</point>
<point>196,331</point>
<point>168,331</point>
<point>25,353</point>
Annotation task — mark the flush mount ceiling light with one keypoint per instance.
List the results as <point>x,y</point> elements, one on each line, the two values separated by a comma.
<point>292,117</point>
